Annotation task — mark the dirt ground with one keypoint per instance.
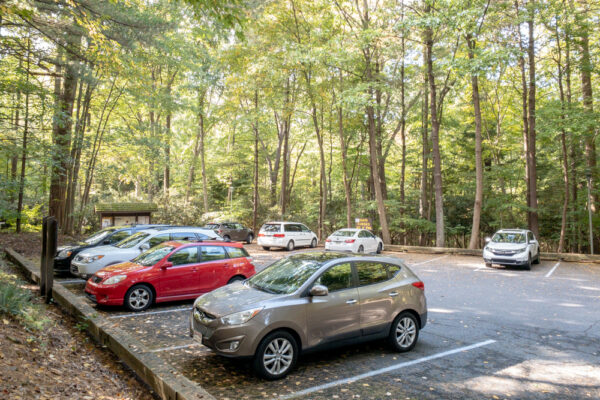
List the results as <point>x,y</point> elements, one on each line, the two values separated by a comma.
<point>28,244</point>
<point>61,362</point>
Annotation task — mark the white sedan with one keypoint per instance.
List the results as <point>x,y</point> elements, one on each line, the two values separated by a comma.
<point>354,240</point>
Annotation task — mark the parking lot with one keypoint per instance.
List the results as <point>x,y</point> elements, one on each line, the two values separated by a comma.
<point>492,333</point>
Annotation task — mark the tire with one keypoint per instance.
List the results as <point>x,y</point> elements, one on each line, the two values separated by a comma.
<point>361,249</point>
<point>282,349</point>
<point>537,258</point>
<point>138,298</point>
<point>250,238</point>
<point>488,265</point>
<point>379,248</point>
<point>236,278</point>
<point>266,248</point>
<point>527,266</point>
<point>290,245</point>
<point>313,244</point>
<point>404,332</point>
<point>227,238</point>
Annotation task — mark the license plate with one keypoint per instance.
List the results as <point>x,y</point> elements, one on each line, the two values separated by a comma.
<point>197,337</point>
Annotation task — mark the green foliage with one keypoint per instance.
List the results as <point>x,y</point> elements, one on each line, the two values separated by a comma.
<point>18,302</point>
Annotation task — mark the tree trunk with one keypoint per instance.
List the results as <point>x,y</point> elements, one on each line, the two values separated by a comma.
<point>255,178</point>
<point>403,133</point>
<point>534,227</point>
<point>588,105</point>
<point>424,196</point>
<point>344,154</point>
<point>435,127</point>
<point>203,165</point>
<point>474,242</point>
<point>24,147</point>
<point>167,171</point>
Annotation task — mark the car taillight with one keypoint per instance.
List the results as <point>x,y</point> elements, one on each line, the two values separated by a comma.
<point>279,235</point>
<point>419,285</point>
<point>350,240</point>
<point>250,259</point>
<point>328,240</point>
<point>220,231</point>
<point>261,234</point>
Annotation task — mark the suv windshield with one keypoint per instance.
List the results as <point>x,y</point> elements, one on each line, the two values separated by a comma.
<point>271,227</point>
<point>343,233</point>
<point>98,236</point>
<point>153,255</point>
<point>285,276</point>
<point>132,240</point>
<point>509,237</point>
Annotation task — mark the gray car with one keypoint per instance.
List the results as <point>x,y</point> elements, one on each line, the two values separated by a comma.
<point>310,301</point>
<point>232,231</point>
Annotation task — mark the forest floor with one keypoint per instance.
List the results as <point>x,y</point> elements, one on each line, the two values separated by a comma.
<point>56,360</point>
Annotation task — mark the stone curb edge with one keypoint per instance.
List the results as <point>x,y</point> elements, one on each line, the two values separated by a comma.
<point>165,381</point>
<point>568,257</point>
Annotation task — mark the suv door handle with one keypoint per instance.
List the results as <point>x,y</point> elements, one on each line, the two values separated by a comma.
<point>353,301</point>
<point>393,294</point>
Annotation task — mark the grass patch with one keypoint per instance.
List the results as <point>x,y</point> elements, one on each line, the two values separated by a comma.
<point>19,302</point>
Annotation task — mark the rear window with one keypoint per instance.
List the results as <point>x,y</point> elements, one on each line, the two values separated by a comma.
<point>237,252</point>
<point>292,228</point>
<point>343,233</point>
<point>212,226</point>
<point>271,227</point>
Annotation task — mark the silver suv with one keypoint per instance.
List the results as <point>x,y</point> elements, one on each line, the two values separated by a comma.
<point>309,301</point>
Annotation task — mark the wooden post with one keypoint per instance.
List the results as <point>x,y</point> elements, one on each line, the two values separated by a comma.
<point>43,262</point>
<point>51,242</point>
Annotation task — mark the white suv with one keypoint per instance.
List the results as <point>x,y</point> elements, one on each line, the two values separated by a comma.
<point>512,247</point>
<point>288,235</point>
<point>91,260</point>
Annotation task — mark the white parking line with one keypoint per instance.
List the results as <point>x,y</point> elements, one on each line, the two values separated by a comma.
<point>385,370</point>
<point>175,347</point>
<point>68,281</point>
<point>552,270</point>
<point>141,314</point>
<point>428,261</point>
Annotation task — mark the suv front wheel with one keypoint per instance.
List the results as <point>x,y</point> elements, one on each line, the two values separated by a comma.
<point>276,355</point>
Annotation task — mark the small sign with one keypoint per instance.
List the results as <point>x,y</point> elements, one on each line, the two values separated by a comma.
<point>363,223</point>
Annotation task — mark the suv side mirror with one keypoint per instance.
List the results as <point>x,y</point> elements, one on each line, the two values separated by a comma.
<point>144,246</point>
<point>319,290</point>
<point>106,241</point>
<point>488,239</point>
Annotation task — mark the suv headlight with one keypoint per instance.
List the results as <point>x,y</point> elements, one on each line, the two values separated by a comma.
<point>64,253</point>
<point>91,259</point>
<point>114,279</point>
<point>241,317</point>
<point>521,249</point>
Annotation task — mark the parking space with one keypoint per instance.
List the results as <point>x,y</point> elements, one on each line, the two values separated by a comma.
<point>492,333</point>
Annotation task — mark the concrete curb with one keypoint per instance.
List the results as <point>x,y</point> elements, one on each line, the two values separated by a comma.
<point>165,380</point>
<point>569,257</point>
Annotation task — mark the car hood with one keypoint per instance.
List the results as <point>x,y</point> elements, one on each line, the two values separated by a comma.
<point>118,269</point>
<point>506,246</point>
<point>233,298</point>
<point>99,250</point>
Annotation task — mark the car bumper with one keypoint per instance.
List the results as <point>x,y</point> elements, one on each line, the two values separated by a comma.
<point>228,341</point>
<point>107,295</point>
<point>62,265</point>
<point>272,242</point>
<point>516,259</point>
<point>84,270</point>
<point>339,246</point>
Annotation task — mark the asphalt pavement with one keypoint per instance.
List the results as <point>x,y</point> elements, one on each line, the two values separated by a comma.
<point>497,333</point>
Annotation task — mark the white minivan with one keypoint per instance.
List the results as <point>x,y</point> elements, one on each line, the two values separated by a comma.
<point>287,235</point>
<point>89,261</point>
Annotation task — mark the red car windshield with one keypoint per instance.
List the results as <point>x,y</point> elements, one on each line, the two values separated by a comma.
<point>153,255</point>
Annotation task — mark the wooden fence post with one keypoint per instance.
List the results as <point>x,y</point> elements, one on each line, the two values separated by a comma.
<point>43,262</point>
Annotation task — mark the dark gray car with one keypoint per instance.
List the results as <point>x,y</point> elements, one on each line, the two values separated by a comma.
<point>309,301</point>
<point>232,231</point>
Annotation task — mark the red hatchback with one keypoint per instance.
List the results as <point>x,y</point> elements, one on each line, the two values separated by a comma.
<point>169,272</point>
